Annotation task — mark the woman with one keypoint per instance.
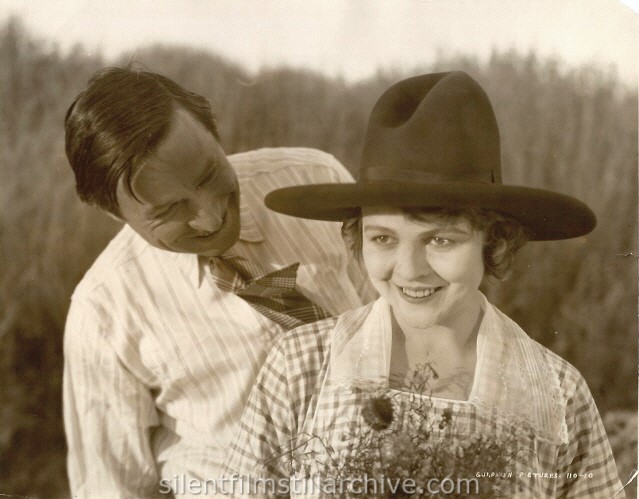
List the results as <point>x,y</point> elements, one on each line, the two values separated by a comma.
<point>431,362</point>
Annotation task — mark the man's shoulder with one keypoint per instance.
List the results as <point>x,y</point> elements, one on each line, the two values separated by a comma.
<point>123,247</point>
<point>126,253</point>
<point>290,166</point>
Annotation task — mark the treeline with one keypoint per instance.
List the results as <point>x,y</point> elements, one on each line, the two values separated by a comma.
<point>572,131</point>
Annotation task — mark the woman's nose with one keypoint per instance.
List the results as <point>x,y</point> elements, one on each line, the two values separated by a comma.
<point>412,262</point>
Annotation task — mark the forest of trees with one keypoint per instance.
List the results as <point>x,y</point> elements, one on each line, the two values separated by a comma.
<point>573,131</point>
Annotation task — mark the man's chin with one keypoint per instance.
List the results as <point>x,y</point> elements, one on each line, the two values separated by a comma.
<point>192,247</point>
<point>202,248</point>
<point>214,245</point>
<point>214,251</point>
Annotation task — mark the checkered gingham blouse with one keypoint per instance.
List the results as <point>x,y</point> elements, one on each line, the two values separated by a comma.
<point>303,391</point>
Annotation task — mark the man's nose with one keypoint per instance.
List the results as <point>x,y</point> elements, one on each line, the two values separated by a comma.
<point>209,213</point>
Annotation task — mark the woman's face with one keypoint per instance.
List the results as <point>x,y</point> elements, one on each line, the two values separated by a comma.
<point>429,271</point>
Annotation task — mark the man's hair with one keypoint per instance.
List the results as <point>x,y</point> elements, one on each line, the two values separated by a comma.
<point>116,122</point>
<point>503,235</point>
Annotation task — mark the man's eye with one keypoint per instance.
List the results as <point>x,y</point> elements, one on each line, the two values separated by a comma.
<point>207,180</point>
<point>168,211</point>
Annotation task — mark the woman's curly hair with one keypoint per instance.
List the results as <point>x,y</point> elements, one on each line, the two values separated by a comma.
<point>503,235</point>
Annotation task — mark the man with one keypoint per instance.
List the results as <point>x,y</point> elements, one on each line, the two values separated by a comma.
<point>164,338</point>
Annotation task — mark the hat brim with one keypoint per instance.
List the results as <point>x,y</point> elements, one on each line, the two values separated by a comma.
<point>548,215</point>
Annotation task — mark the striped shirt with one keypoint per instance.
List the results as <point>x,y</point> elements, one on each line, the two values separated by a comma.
<point>159,362</point>
<point>311,396</point>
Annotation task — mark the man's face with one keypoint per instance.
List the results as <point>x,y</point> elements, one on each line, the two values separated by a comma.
<point>185,196</point>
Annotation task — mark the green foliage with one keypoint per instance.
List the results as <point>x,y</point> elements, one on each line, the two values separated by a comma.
<point>573,131</point>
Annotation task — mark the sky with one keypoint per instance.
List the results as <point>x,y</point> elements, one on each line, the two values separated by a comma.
<point>348,38</point>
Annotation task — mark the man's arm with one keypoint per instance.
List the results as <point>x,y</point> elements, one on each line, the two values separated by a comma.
<point>108,415</point>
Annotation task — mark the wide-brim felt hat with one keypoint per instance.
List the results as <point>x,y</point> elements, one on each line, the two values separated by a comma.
<point>433,142</point>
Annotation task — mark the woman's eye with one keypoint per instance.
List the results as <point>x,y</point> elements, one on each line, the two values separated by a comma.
<point>440,241</point>
<point>381,240</point>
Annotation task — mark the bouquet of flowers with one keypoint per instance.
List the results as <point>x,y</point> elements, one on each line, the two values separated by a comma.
<point>400,449</point>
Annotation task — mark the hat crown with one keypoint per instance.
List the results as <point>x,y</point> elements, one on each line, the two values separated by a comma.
<point>433,142</point>
<point>433,128</point>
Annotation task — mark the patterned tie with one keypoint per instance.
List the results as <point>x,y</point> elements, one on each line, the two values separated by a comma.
<point>274,295</point>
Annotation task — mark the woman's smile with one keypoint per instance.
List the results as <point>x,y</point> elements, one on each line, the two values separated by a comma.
<point>417,295</point>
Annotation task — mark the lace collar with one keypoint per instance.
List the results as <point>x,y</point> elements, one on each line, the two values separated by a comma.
<point>512,376</point>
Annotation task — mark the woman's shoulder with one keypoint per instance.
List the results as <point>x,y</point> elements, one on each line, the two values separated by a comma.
<point>538,357</point>
<point>314,340</point>
<point>552,388</point>
<point>309,337</point>
<point>570,378</point>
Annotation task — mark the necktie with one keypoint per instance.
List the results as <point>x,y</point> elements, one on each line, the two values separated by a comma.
<point>274,294</point>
